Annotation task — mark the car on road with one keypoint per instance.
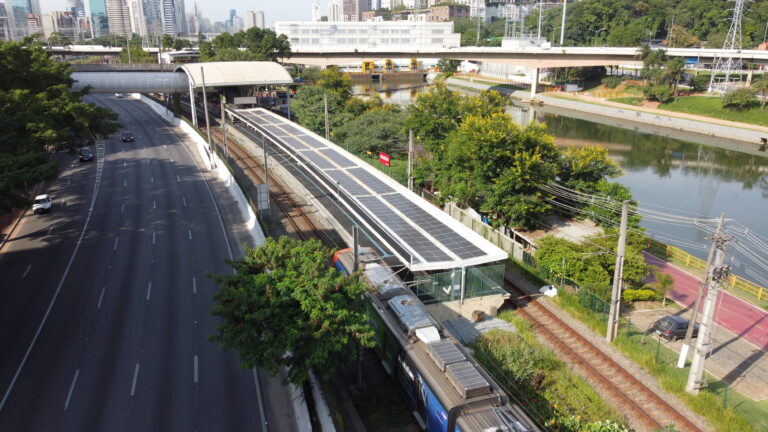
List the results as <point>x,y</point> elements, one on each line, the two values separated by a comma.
<point>673,327</point>
<point>127,136</point>
<point>118,95</point>
<point>42,204</point>
<point>86,155</point>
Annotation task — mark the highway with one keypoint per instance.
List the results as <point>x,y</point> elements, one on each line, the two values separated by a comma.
<point>104,302</point>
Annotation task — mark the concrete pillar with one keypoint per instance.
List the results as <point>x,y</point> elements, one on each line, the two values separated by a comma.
<point>192,103</point>
<point>534,82</point>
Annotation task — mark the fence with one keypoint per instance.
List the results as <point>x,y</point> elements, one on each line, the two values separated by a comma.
<point>683,259</point>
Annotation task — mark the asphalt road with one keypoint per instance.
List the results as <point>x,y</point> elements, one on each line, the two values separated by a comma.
<point>104,314</point>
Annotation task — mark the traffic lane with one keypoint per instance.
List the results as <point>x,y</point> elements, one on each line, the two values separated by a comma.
<point>228,393</point>
<point>33,263</point>
<point>67,335</point>
<point>734,314</point>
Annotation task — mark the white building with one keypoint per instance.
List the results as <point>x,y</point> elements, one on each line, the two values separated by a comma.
<point>317,16</point>
<point>335,11</point>
<point>313,36</point>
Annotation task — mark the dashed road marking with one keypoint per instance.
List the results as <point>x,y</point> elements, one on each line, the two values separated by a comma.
<point>178,179</point>
<point>194,285</point>
<point>26,271</point>
<point>152,180</point>
<point>135,378</point>
<point>153,238</point>
<point>149,290</point>
<point>125,183</point>
<point>184,201</point>
<point>116,241</point>
<point>101,297</point>
<point>71,389</point>
<point>154,204</point>
<point>196,374</point>
<point>49,231</point>
<point>122,208</point>
<point>189,232</point>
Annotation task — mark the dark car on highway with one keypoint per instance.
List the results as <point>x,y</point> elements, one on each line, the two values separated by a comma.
<point>127,136</point>
<point>86,155</point>
<point>673,327</point>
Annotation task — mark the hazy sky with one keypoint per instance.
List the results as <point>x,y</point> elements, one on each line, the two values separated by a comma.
<point>218,10</point>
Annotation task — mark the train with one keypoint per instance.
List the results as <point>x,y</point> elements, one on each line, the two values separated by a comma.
<point>444,387</point>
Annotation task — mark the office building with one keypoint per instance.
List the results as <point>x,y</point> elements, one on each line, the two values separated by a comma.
<point>118,18</point>
<point>446,13</point>
<point>254,19</point>
<point>99,22</point>
<point>352,10</point>
<point>309,36</point>
<point>5,28</point>
<point>335,11</point>
<point>317,16</point>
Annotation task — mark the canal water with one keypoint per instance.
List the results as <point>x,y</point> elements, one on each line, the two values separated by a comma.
<point>684,175</point>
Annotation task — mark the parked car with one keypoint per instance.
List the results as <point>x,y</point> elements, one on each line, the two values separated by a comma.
<point>673,327</point>
<point>86,155</point>
<point>127,136</point>
<point>42,204</point>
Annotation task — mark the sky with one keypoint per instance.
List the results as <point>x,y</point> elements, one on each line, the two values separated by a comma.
<point>218,10</point>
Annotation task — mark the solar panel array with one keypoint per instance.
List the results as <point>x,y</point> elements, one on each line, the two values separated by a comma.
<point>429,239</point>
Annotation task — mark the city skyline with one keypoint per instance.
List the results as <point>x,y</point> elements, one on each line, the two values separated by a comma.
<point>294,10</point>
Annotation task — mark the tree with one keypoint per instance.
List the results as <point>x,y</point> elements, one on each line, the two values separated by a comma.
<point>260,44</point>
<point>308,106</point>
<point>285,307</point>
<point>334,80</point>
<point>58,39</point>
<point>448,66</point>
<point>378,129</point>
<point>39,113</point>
<point>138,55</point>
<point>582,168</point>
<point>661,284</point>
<point>673,73</point>
<point>740,99</point>
<point>761,85</point>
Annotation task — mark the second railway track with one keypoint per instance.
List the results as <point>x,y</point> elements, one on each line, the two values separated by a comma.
<point>642,405</point>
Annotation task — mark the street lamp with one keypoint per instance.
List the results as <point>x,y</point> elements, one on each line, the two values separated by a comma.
<point>598,32</point>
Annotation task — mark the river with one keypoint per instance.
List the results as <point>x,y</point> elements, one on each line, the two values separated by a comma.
<point>694,177</point>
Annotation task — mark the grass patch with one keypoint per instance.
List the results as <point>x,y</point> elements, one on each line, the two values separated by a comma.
<point>539,381</point>
<point>712,107</point>
<point>636,101</point>
<point>740,413</point>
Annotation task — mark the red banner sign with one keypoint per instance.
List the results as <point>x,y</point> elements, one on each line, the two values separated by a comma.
<point>384,158</point>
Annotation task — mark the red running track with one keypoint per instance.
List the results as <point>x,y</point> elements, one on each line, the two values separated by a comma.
<point>740,317</point>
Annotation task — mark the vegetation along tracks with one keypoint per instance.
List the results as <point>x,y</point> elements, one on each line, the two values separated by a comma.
<point>646,409</point>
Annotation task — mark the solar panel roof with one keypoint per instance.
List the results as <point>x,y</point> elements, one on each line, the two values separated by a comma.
<point>424,237</point>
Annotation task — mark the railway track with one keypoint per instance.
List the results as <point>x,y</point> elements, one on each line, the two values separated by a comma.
<point>647,410</point>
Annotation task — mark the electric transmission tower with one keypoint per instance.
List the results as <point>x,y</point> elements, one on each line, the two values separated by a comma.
<point>730,62</point>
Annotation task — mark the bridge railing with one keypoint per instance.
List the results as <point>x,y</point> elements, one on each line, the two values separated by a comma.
<point>124,67</point>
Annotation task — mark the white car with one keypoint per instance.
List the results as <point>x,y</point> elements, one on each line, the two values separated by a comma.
<point>118,95</point>
<point>548,290</point>
<point>42,204</point>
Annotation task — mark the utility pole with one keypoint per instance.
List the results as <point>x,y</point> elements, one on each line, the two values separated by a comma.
<point>224,124</point>
<point>562,25</point>
<point>717,241</point>
<point>618,276</point>
<point>325,105</point>
<point>719,272</point>
<point>205,108</point>
<point>410,160</point>
<point>477,39</point>
<point>538,28</point>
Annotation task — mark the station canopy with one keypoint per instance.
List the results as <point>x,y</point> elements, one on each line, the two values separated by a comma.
<point>421,235</point>
<point>235,74</point>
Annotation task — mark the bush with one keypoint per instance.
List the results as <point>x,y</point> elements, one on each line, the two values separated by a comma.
<point>660,93</point>
<point>612,81</point>
<point>740,100</point>
<point>633,295</point>
<point>699,83</point>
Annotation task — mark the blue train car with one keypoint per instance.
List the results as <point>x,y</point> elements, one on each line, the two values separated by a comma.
<point>445,388</point>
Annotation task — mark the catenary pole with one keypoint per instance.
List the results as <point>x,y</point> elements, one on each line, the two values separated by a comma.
<point>410,160</point>
<point>562,25</point>
<point>716,239</point>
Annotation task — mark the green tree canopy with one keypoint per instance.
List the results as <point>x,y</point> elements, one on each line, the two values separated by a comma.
<point>286,307</point>
<point>582,168</point>
<point>263,45</point>
<point>39,113</point>
<point>308,106</point>
<point>378,129</point>
<point>336,81</point>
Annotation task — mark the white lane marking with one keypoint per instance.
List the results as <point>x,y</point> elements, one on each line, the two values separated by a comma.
<point>125,183</point>
<point>196,376</point>
<point>71,389</point>
<point>177,178</point>
<point>189,232</point>
<point>115,246</point>
<point>165,146</point>
<point>152,180</point>
<point>154,204</point>
<point>194,285</point>
<point>49,230</point>
<point>97,181</point>
<point>123,148</point>
<point>153,238</point>
<point>122,208</point>
<point>135,377</point>
<point>184,200</point>
<point>124,164</point>
<point>258,398</point>
<point>68,180</point>
<point>101,297</point>
<point>171,159</point>
<point>26,271</point>
<point>149,290</point>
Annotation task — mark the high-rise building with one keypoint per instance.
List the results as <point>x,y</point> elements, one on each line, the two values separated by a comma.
<point>172,15</point>
<point>118,17</point>
<point>254,19</point>
<point>153,17</point>
<point>352,10</point>
<point>232,14</point>
<point>335,11</point>
<point>317,16</point>
<point>181,23</point>
<point>260,20</point>
<point>99,22</point>
<point>5,28</point>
